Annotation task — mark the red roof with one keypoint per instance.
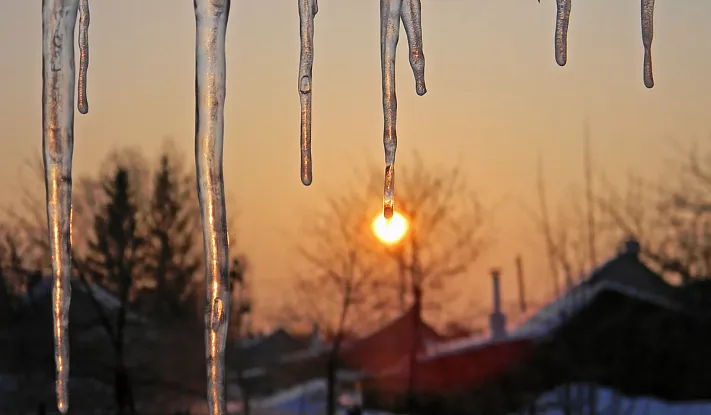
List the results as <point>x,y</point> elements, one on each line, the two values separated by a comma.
<point>467,368</point>
<point>387,346</point>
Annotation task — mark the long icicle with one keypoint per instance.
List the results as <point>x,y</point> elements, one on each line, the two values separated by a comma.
<point>211,25</point>
<point>58,23</point>
<point>307,12</point>
<point>561,31</point>
<point>647,35</point>
<point>389,35</point>
<point>411,14</point>
<point>82,104</point>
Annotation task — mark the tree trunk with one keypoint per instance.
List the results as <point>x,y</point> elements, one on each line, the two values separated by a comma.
<point>120,387</point>
<point>414,348</point>
<point>331,367</point>
<point>246,407</point>
<point>124,394</point>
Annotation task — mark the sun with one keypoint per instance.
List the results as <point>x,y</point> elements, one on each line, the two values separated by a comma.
<point>390,231</point>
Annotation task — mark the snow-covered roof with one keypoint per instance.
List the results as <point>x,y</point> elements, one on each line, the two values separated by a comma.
<point>558,311</point>
<point>438,350</point>
<point>108,301</point>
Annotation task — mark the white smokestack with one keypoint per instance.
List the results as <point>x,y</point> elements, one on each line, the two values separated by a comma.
<point>496,286</point>
<point>497,319</point>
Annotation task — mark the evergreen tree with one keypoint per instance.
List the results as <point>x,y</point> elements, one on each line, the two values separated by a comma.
<point>115,250</point>
<point>114,259</point>
<point>173,251</point>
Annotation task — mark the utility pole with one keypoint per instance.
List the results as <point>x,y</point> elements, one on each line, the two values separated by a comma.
<point>521,284</point>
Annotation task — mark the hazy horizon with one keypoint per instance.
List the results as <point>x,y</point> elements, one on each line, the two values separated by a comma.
<point>496,99</point>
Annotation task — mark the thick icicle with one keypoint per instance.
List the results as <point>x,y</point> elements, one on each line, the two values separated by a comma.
<point>411,14</point>
<point>82,104</point>
<point>389,35</point>
<point>211,24</point>
<point>58,23</point>
<point>647,35</point>
<point>307,12</point>
<point>561,31</point>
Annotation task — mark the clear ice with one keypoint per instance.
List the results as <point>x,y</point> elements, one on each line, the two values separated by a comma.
<point>58,23</point>
<point>389,36</point>
<point>647,35</point>
<point>82,104</point>
<point>211,25</point>
<point>307,12</point>
<point>411,12</point>
<point>561,31</point>
<point>391,12</point>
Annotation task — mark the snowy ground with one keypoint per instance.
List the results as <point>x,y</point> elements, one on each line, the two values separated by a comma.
<point>308,399</point>
<point>609,402</point>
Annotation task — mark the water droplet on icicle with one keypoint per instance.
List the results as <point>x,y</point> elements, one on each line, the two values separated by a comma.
<point>647,35</point>
<point>82,104</point>
<point>58,24</point>
<point>211,20</point>
<point>561,31</point>
<point>307,12</point>
<point>389,192</point>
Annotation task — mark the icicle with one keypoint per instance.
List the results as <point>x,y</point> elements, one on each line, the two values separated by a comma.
<point>307,12</point>
<point>561,31</point>
<point>82,104</point>
<point>389,35</point>
<point>647,35</point>
<point>411,14</point>
<point>211,24</point>
<point>58,23</point>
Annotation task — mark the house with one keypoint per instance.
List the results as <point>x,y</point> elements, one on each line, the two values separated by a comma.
<point>281,378</point>
<point>256,362</point>
<point>27,365</point>
<point>166,372</point>
<point>623,327</point>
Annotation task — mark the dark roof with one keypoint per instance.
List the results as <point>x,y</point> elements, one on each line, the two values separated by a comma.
<point>258,352</point>
<point>32,346</point>
<point>624,274</point>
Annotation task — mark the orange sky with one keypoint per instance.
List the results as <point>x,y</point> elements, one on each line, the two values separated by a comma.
<point>495,98</point>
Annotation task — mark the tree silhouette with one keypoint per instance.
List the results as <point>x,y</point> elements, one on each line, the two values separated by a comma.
<point>240,312</point>
<point>114,260</point>
<point>671,220</point>
<point>172,249</point>
<point>137,235</point>
<point>340,277</point>
<point>348,271</point>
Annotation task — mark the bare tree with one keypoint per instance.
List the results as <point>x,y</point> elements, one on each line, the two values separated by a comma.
<point>448,231</point>
<point>350,268</point>
<point>672,220</point>
<point>339,277</point>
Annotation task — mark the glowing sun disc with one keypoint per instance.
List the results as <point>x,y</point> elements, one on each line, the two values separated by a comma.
<point>392,230</point>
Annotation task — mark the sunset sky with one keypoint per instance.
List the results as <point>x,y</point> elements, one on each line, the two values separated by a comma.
<point>495,99</point>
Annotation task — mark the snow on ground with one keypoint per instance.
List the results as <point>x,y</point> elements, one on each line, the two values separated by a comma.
<point>305,399</point>
<point>609,402</point>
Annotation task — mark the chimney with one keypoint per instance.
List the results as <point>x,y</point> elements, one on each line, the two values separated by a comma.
<point>521,284</point>
<point>630,248</point>
<point>497,319</point>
